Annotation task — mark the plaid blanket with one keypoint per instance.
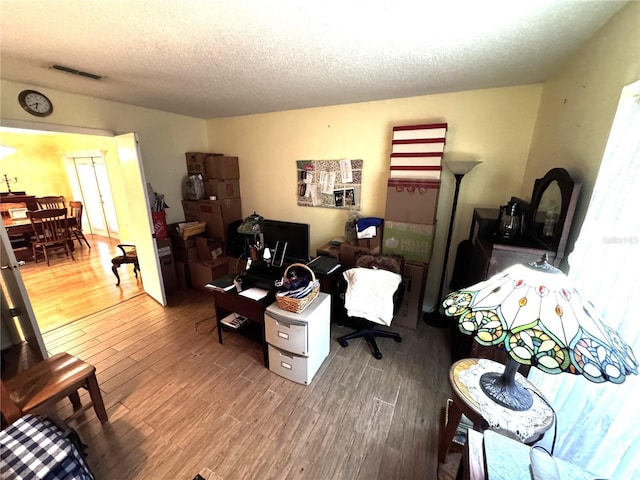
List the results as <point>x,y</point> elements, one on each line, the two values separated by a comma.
<point>36,448</point>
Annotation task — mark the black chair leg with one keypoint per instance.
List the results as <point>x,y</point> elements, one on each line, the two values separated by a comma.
<point>370,336</point>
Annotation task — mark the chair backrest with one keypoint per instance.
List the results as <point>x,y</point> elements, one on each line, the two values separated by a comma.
<point>50,225</point>
<point>374,287</point>
<point>391,262</point>
<point>57,201</point>
<point>75,211</point>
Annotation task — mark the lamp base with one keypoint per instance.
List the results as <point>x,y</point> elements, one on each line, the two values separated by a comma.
<point>509,394</point>
<point>433,318</point>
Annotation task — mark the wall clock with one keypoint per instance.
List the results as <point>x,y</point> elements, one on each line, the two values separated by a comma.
<point>35,103</point>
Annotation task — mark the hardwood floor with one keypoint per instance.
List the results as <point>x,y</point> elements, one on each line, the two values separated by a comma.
<point>179,403</point>
<point>71,289</point>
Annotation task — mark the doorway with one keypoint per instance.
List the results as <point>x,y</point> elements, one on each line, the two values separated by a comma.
<point>126,180</point>
<point>90,182</point>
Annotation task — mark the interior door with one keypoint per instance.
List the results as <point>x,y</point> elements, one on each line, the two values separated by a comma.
<point>17,304</point>
<point>99,208</point>
<point>138,216</point>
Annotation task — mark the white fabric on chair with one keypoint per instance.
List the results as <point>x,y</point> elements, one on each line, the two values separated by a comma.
<point>369,294</point>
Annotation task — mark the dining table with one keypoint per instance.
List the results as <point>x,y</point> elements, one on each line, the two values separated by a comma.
<point>20,231</point>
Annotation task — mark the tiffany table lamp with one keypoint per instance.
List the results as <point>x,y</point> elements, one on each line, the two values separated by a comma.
<point>534,313</point>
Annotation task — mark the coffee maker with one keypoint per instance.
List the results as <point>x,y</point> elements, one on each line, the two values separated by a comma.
<point>510,222</point>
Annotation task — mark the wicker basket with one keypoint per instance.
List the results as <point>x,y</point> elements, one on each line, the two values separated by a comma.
<point>297,305</point>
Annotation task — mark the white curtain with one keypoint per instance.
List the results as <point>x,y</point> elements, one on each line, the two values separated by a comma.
<point>599,424</point>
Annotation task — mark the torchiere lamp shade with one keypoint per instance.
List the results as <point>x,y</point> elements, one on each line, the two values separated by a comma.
<point>534,313</point>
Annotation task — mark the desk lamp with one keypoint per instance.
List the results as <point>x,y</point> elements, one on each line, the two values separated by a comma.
<point>252,225</point>
<point>534,313</point>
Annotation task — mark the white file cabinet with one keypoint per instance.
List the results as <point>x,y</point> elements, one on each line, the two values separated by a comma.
<point>298,343</point>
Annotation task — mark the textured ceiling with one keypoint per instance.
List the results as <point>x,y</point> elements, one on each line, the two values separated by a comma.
<point>216,58</point>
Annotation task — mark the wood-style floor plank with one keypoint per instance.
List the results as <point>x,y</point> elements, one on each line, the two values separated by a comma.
<point>180,403</point>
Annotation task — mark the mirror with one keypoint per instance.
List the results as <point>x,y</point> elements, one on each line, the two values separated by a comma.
<point>553,204</point>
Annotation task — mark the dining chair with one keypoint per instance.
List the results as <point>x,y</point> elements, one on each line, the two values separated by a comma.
<point>50,232</point>
<point>75,211</point>
<point>129,255</point>
<point>40,387</point>
<point>54,201</point>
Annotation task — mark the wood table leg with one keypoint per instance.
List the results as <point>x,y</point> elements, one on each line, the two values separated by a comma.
<point>446,435</point>
<point>96,398</point>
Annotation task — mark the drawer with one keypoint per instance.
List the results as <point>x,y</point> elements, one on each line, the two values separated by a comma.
<point>292,367</point>
<point>288,336</point>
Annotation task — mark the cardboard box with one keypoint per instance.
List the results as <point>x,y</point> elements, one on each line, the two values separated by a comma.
<point>179,241</point>
<point>182,275</point>
<point>208,248</point>
<point>414,241</point>
<point>412,200</point>
<point>219,214</point>
<point>221,167</point>
<point>186,255</point>
<point>202,273</point>
<point>168,269</point>
<point>190,208</point>
<point>228,188</point>
<point>373,243</point>
<point>167,265</point>
<point>410,311</point>
<point>197,162</point>
<point>211,214</point>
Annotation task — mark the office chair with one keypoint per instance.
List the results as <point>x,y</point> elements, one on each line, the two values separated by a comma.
<point>38,388</point>
<point>373,294</point>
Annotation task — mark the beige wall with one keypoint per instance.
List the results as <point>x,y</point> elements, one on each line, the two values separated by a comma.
<point>164,137</point>
<point>518,133</point>
<point>493,125</point>
<point>579,103</point>
<point>39,163</point>
<point>39,170</point>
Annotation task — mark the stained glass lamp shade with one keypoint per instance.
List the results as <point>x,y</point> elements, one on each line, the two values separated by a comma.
<point>533,312</point>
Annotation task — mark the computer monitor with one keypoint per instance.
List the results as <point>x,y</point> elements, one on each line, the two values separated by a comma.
<point>296,235</point>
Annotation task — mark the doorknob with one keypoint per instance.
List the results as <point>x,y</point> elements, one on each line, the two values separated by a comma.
<point>18,264</point>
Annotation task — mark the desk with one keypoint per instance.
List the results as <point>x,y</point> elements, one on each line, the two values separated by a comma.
<point>465,402</point>
<point>495,457</point>
<point>232,302</point>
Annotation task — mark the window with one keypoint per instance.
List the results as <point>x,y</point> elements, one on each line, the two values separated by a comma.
<point>599,424</point>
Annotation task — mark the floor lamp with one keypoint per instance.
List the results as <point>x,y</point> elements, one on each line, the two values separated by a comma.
<point>459,170</point>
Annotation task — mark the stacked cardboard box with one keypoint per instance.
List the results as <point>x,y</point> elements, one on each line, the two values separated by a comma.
<point>202,257</point>
<point>410,215</point>
<point>198,259</point>
<point>221,176</point>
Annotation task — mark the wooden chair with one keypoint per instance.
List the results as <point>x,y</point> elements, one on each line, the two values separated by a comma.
<point>39,388</point>
<point>129,255</point>
<point>55,201</point>
<point>50,232</point>
<point>75,211</point>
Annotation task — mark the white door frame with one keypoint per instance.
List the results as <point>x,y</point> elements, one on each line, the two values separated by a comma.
<point>144,236</point>
<point>19,307</point>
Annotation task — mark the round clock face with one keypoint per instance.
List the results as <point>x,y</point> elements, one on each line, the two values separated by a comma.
<point>35,103</point>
